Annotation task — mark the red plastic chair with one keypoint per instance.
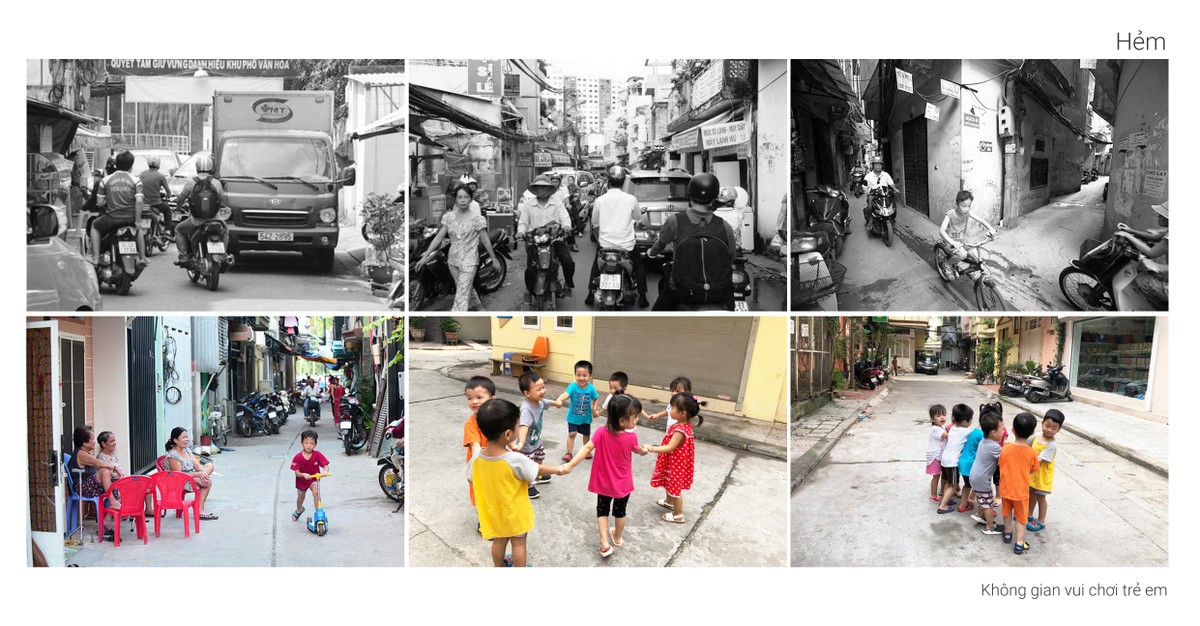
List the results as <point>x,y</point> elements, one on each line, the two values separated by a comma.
<point>134,490</point>
<point>170,486</point>
<point>160,463</point>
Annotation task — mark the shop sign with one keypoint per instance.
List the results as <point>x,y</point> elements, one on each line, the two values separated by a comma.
<point>904,81</point>
<point>950,89</point>
<point>525,154</point>
<point>483,77</point>
<point>722,135</point>
<point>542,159</point>
<point>709,83</point>
<point>743,151</point>
<point>512,85</point>
<point>187,67</point>
<point>932,112</point>
<point>687,140</point>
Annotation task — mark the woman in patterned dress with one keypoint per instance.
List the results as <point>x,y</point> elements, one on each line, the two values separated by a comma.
<point>466,230</point>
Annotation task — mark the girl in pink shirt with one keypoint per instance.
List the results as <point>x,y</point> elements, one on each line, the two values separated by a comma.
<point>612,467</point>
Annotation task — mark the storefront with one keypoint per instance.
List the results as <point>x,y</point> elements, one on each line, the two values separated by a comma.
<point>1119,360</point>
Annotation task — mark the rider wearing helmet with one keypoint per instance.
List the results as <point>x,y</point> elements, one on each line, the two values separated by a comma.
<point>564,197</point>
<point>877,178</point>
<point>157,191</point>
<point>121,192</point>
<point>543,210</point>
<point>183,232</point>
<point>686,228</point>
<point>614,214</point>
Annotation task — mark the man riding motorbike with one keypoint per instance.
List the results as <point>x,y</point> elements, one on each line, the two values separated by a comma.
<point>542,210</point>
<point>122,193</point>
<point>698,221</point>
<point>564,197</point>
<point>1152,275</point>
<point>877,178</point>
<point>202,205</point>
<point>157,191</point>
<point>614,214</point>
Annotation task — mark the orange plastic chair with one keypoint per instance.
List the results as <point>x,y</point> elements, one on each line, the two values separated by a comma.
<point>134,490</point>
<point>171,487</point>
<point>541,350</point>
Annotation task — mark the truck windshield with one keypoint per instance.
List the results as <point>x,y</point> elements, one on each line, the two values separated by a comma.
<point>660,189</point>
<point>273,157</point>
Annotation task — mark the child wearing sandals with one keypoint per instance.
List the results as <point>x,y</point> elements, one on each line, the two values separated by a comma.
<point>1042,480</point>
<point>1017,462</point>
<point>956,438</point>
<point>933,452</point>
<point>675,466</point>
<point>987,456</point>
<point>612,471</point>
<point>306,464</point>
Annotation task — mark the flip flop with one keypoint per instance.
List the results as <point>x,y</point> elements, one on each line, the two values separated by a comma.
<point>295,516</point>
<point>942,511</point>
<point>612,537</point>
<point>964,508</point>
<point>663,503</point>
<point>935,499</point>
<point>567,457</point>
<point>674,519</point>
<point>208,517</point>
<point>1035,526</point>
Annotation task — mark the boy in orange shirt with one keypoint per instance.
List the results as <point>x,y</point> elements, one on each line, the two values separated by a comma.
<point>1017,462</point>
<point>479,389</point>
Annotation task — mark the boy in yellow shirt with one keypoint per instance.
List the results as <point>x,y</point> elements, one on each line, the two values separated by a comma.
<point>1042,479</point>
<point>501,480</point>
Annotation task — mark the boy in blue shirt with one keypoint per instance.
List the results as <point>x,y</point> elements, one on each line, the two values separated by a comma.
<point>585,400</point>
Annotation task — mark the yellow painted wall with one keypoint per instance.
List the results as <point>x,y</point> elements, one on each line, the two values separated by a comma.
<point>767,387</point>
<point>566,347</point>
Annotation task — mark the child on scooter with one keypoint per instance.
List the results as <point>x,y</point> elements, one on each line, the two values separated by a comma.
<point>307,464</point>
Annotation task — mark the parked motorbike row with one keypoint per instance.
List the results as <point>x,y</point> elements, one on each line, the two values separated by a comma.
<point>869,374</point>
<point>262,413</point>
<point>1038,387</point>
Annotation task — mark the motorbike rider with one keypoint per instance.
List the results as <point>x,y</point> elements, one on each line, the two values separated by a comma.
<point>877,178</point>
<point>614,214</point>
<point>185,228</point>
<point>312,394</point>
<point>1151,280</point>
<point>955,226</point>
<point>122,193</point>
<point>564,196</point>
<point>699,218</point>
<point>546,209</point>
<point>157,191</point>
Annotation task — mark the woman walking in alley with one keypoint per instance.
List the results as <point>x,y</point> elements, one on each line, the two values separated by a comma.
<point>466,231</point>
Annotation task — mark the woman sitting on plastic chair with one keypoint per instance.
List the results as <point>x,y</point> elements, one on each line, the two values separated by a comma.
<point>98,473</point>
<point>180,459</point>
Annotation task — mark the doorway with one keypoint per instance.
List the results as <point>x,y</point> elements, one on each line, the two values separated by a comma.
<point>916,165</point>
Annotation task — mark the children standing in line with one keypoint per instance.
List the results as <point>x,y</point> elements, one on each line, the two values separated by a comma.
<point>308,464</point>
<point>965,460</point>
<point>955,440</point>
<point>584,400</point>
<point>1042,479</point>
<point>612,472</point>
<point>501,479</point>
<point>675,467</point>
<point>987,456</point>
<point>1017,462</point>
<point>933,452</point>
<point>529,430</point>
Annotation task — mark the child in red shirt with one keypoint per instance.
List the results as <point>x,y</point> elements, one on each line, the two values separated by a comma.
<point>1017,462</point>
<point>308,463</point>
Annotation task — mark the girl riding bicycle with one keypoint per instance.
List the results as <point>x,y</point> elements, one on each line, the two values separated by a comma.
<point>955,226</point>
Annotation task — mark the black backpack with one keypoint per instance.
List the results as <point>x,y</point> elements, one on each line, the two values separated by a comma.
<point>205,200</point>
<point>703,267</point>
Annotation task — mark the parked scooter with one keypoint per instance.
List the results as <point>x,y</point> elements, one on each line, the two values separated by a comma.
<point>1054,385</point>
<point>816,277</point>
<point>350,423</point>
<point>827,210</point>
<point>880,213</point>
<point>434,279</point>
<point>1102,278</point>
<point>547,286</point>
<point>1014,384</point>
<point>866,375</point>
<point>208,259</point>
<point>616,286</point>
<point>250,420</point>
<point>391,466</point>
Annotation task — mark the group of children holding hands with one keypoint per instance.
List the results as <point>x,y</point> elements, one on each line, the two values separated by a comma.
<point>978,463</point>
<point>505,455</point>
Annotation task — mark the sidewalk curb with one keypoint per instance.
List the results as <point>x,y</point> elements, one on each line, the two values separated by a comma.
<point>727,441</point>
<point>804,465</point>
<point>1136,457</point>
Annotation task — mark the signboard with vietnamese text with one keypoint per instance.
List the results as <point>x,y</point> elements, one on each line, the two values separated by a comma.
<point>932,112</point>
<point>542,159</point>
<point>721,135</point>
<point>708,83</point>
<point>512,85</point>
<point>1155,183</point>
<point>525,154</point>
<point>970,121</point>
<point>215,67</point>
<point>688,140</point>
<point>950,89</point>
<point>484,77</point>
<point>904,81</point>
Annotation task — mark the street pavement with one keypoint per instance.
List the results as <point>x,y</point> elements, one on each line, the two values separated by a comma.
<point>867,502</point>
<point>1026,259</point>
<point>735,511</point>
<point>258,281</point>
<point>768,283</point>
<point>254,497</point>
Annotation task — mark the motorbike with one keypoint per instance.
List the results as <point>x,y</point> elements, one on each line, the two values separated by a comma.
<point>117,267</point>
<point>827,210</point>
<point>740,285</point>
<point>1102,278</point>
<point>1014,384</point>
<point>959,365</point>
<point>547,287</point>
<point>880,213</point>
<point>279,403</point>
<point>350,423</point>
<point>208,259</point>
<point>295,399</point>
<point>434,279</point>
<point>155,232</point>
<point>1054,385</point>
<point>249,419</point>
<point>616,287</point>
<point>858,183</point>
<point>391,466</point>
<point>312,410</point>
<point>866,376</point>
<point>816,277</point>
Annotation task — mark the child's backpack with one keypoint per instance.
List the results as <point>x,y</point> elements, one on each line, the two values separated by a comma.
<point>205,200</point>
<point>703,267</point>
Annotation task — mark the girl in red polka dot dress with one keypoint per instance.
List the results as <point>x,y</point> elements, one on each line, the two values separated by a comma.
<point>677,455</point>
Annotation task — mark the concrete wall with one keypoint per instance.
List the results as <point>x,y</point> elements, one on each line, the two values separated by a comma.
<point>943,139</point>
<point>766,383</point>
<point>982,153</point>
<point>1143,108</point>
<point>771,149</point>
<point>566,347</point>
<point>1062,148</point>
<point>111,385</point>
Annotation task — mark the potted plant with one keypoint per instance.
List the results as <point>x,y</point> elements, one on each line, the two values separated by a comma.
<point>205,433</point>
<point>382,220</point>
<point>416,326</point>
<point>450,328</point>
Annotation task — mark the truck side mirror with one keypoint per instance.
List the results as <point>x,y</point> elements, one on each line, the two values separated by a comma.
<point>348,176</point>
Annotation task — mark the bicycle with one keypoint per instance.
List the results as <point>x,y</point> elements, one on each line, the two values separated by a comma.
<point>987,298</point>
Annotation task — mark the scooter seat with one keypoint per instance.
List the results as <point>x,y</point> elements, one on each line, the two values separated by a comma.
<point>496,234</point>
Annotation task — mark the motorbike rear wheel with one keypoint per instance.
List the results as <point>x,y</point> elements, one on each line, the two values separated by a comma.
<point>244,427</point>
<point>360,439</point>
<point>213,278</point>
<point>987,298</point>
<point>417,296</point>
<point>1084,291</point>
<point>498,281</point>
<point>347,443</point>
<point>1033,396</point>
<point>124,285</point>
<point>887,234</point>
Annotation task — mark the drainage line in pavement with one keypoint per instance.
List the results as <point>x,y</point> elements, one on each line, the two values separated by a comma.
<point>706,509</point>
<point>275,507</point>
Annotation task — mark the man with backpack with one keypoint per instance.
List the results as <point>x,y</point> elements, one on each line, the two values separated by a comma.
<point>704,245</point>
<point>202,197</point>
<point>121,194</point>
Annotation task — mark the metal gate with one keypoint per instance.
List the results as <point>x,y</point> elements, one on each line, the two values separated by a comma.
<point>143,394</point>
<point>812,357</point>
<point>916,165</point>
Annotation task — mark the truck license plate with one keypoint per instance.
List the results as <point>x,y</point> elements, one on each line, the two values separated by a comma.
<point>275,236</point>
<point>216,247</point>
<point>126,247</point>
<point>610,281</point>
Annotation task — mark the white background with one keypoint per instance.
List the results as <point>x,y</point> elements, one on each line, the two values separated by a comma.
<point>471,29</point>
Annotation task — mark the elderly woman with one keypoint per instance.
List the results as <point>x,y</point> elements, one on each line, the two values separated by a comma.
<point>180,459</point>
<point>111,472</point>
